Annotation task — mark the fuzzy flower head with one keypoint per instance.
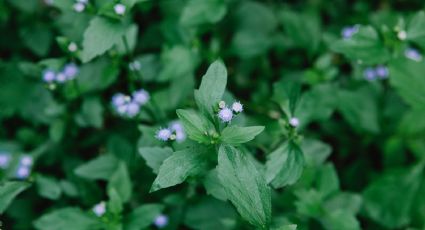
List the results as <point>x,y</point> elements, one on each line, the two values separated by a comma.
<point>141,96</point>
<point>382,72</point>
<point>294,122</point>
<point>133,109</point>
<point>349,31</point>
<point>79,7</point>
<point>119,99</point>
<point>369,74</point>
<point>161,221</point>
<point>237,107</point>
<point>72,47</point>
<point>413,54</point>
<point>99,209</point>
<point>49,75</point>
<point>23,172</point>
<point>176,126</point>
<point>61,78</point>
<point>26,161</point>
<point>4,160</point>
<point>225,114</point>
<point>163,134</point>
<point>402,35</point>
<point>119,9</point>
<point>70,70</point>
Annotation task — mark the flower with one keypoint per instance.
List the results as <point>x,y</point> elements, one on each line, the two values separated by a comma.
<point>225,114</point>
<point>161,221</point>
<point>176,126</point>
<point>141,96</point>
<point>349,31</point>
<point>237,107</point>
<point>133,109</point>
<point>72,47</point>
<point>163,134</point>
<point>119,9</point>
<point>135,65</point>
<point>79,7</point>
<point>61,77</point>
<point>26,161</point>
<point>23,172</point>
<point>294,122</point>
<point>99,209</point>
<point>413,54</point>
<point>49,75</point>
<point>180,136</point>
<point>70,70</point>
<point>402,35</point>
<point>221,104</point>
<point>369,74</point>
<point>118,99</point>
<point>4,160</point>
<point>382,71</point>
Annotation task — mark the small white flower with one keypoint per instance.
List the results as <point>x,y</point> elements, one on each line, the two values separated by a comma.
<point>72,47</point>
<point>122,109</point>
<point>61,77</point>
<point>118,99</point>
<point>23,172</point>
<point>119,9</point>
<point>294,122</point>
<point>402,35</point>
<point>163,134</point>
<point>221,104</point>
<point>180,136</point>
<point>26,161</point>
<point>79,7</point>
<point>176,126</point>
<point>141,96</point>
<point>99,209</point>
<point>237,107</point>
<point>49,75</point>
<point>161,221</point>
<point>4,160</point>
<point>225,114</point>
<point>133,109</point>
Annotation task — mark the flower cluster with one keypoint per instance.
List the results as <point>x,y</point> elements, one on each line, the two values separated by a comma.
<point>99,209</point>
<point>24,167</point>
<point>379,72</point>
<point>174,131</point>
<point>120,9</point>
<point>161,221</point>
<point>349,31</point>
<point>226,114</point>
<point>413,54</point>
<point>80,5</point>
<point>129,106</point>
<point>68,73</point>
<point>4,160</point>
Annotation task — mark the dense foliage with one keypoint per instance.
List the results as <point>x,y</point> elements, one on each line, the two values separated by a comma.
<point>212,114</point>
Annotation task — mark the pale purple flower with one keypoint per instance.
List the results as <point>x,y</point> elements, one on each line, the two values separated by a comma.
<point>26,160</point>
<point>161,221</point>
<point>382,72</point>
<point>23,172</point>
<point>141,96</point>
<point>4,160</point>
<point>225,114</point>
<point>180,136</point>
<point>122,109</point>
<point>294,122</point>
<point>349,31</point>
<point>119,9</point>
<point>369,74</point>
<point>413,54</point>
<point>79,7</point>
<point>99,209</point>
<point>237,107</point>
<point>72,47</point>
<point>119,99</point>
<point>61,77</point>
<point>49,75</point>
<point>163,134</point>
<point>70,70</point>
<point>133,109</point>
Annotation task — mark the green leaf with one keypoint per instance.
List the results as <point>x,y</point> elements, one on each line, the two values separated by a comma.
<point>287,94</point>
<point>340,219</point>
<point>91,113</point>
<point>284,165</point>
<point>407,78</point>
<point>238,135</point>
<point>100,36</point>
<point>415,30</point>
<point>176,168</point>
<point>212,87</point>
<point>245,186</point>
<point>101,167</point>
<point>154,156</point>
<point>63,218</point>
<point>389,199</point>
<point>177,62</point>
<point>287,227</point>
<point>213,185</point>
<point>327,181</point>
<point>8,191</point>
<point>48,187</point>
<point>196,126</point>
<point>315,151</point>
<point>121,182</point>
<point>364,46</point>
<point>142,217</point>
<point>97,75</point>
<point>201,12</point>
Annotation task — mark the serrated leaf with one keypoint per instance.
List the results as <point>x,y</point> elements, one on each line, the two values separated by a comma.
<point>212,87</point>
<point>196,125</point>
<point>176,168</point>
<point>100,36</point>
<point>245,186</point>
<point>8,191</point>
<point>238,135</point>
<point>154,156</point>
<point>284,165</point>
